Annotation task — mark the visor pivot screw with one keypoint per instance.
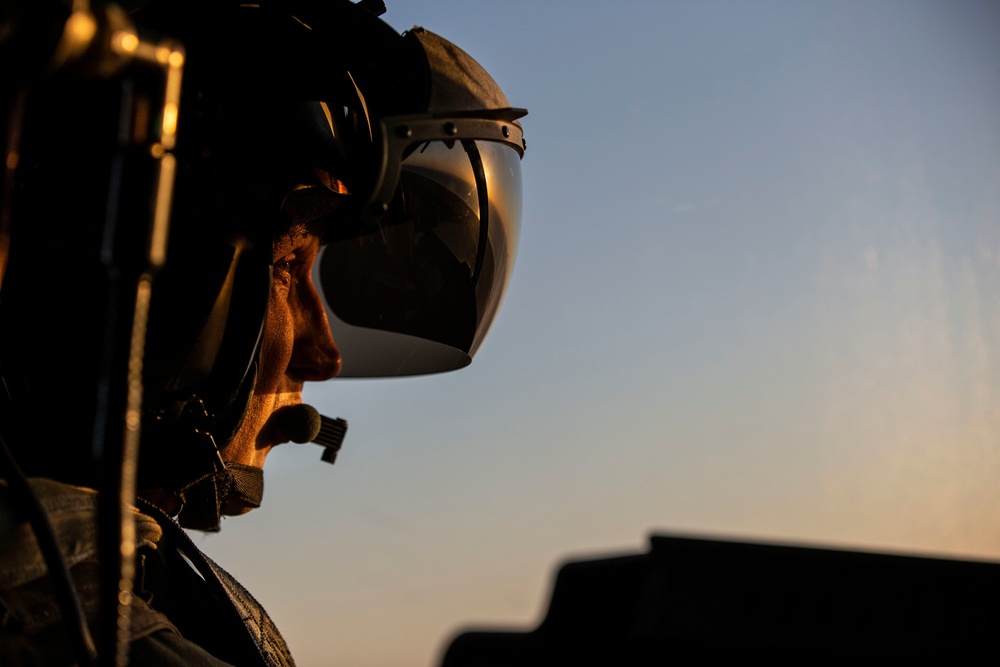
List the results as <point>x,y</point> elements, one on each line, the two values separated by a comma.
<point>506,131</point>
<point>450,129</point>
<point>404,132</point>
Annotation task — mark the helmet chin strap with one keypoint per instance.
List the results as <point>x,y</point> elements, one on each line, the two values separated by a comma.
<point>236,490</point>
<point>245,489</point>
<point>239,487</point>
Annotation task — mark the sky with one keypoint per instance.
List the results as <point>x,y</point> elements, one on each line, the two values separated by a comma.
<point>757,296</point>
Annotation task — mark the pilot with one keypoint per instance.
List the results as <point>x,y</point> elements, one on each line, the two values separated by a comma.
<point>342,200</point>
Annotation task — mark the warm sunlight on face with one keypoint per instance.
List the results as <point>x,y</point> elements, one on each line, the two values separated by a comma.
<point>297,346</point>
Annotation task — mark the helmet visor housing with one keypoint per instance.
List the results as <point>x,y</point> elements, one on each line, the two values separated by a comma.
<point>418,193</point>
<point>416,287</point>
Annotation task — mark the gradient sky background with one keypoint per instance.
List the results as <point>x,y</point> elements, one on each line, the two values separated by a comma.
<point>757,295</point>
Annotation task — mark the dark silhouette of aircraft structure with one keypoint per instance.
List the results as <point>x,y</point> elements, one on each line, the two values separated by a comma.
<point>701,598</point>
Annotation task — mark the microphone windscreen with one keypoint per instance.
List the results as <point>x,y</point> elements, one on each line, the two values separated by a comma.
<point>300,423</point>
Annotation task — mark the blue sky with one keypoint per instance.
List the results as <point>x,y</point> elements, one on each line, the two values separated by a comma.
<point>757,295</point>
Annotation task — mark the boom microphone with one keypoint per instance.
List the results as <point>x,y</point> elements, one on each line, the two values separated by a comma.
<point>302,423</point>
<point>299,423</point>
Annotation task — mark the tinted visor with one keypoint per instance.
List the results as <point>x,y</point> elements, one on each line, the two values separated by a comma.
<point>416,291</point>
